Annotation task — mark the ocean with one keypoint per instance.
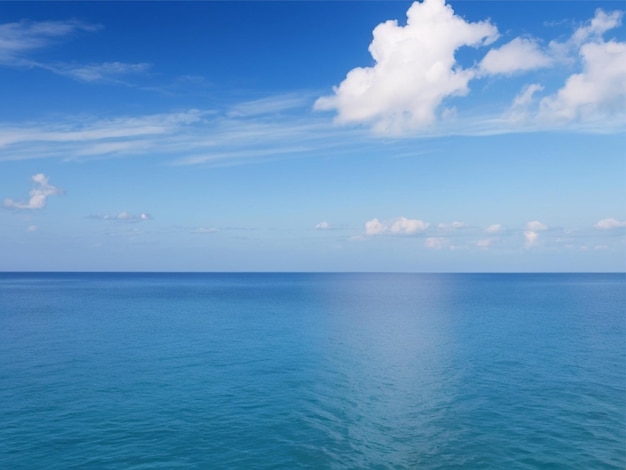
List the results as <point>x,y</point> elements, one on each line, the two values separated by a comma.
<point>315,371</point>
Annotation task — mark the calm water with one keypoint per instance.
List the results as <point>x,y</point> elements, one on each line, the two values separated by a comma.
<point>316,371</point>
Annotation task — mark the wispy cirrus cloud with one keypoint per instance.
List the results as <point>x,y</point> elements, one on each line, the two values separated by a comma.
<point>19,38</point>
<point>103,72</point>
<point>270,105</point>
<point>181,138</point>
<point>19,41</point>
<point>38,195</point>
<point>77,138</point>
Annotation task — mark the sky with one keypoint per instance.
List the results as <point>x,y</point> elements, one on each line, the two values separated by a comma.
<point>427,136</point>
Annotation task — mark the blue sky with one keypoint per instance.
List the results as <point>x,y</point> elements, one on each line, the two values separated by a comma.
<point>313,136</point>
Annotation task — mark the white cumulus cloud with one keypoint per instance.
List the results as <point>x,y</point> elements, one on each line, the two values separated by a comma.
<point>375,227</point>
<point>593,98</point>
<point>485,243</point>
<point>38,195</point>
<point>536,226</point>
<point>435,243</point>
<point>521,54</point>
<point>610,223</point>
<point>406,226</point>
<point>600,89</point>
<point>322,226</point>
<point>530,238</point>
<point>530,234</point>
<point>415,70</point>
<point>494,228</point>
<point>451,226</point>
<point>398,226</point>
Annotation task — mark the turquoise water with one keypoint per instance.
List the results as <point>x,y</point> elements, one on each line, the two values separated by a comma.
<point>320,371</point>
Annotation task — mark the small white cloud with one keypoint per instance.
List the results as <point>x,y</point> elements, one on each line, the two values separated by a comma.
<point>435,243</point>
<point>322,226</point>
<point>31,228</point>
<point>398,226</point>
<point>205,230</point>
<point>516,56</point>
<point>610,223</point>
<point>415,70</point>
<point>530,238</point>
<point>38,195</point>
<point>374,227</point>
<point>405,226</point>
<point>451,226</point>
<point>494,228</point>
<point>536,226</point>
<point>484,244</point>
<point>124,217</point>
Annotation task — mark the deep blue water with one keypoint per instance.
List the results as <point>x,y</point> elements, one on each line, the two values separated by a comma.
<point>337,371</point>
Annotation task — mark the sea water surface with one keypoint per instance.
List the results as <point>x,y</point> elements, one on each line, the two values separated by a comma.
<point>319,371</point>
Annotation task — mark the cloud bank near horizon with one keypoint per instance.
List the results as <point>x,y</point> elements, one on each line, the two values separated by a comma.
<point>462,236</point>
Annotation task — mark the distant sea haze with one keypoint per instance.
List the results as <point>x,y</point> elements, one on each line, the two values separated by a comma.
<point>319,371</point>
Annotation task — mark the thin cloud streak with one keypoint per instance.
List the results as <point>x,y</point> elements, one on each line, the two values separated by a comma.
<point>184,138</point>
<point>19,39</point>
<point>203,136</point>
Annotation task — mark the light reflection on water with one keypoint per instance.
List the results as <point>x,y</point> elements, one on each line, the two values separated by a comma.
<point>312,371</point>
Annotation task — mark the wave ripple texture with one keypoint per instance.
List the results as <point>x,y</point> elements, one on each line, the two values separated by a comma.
<point>319,371</point>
